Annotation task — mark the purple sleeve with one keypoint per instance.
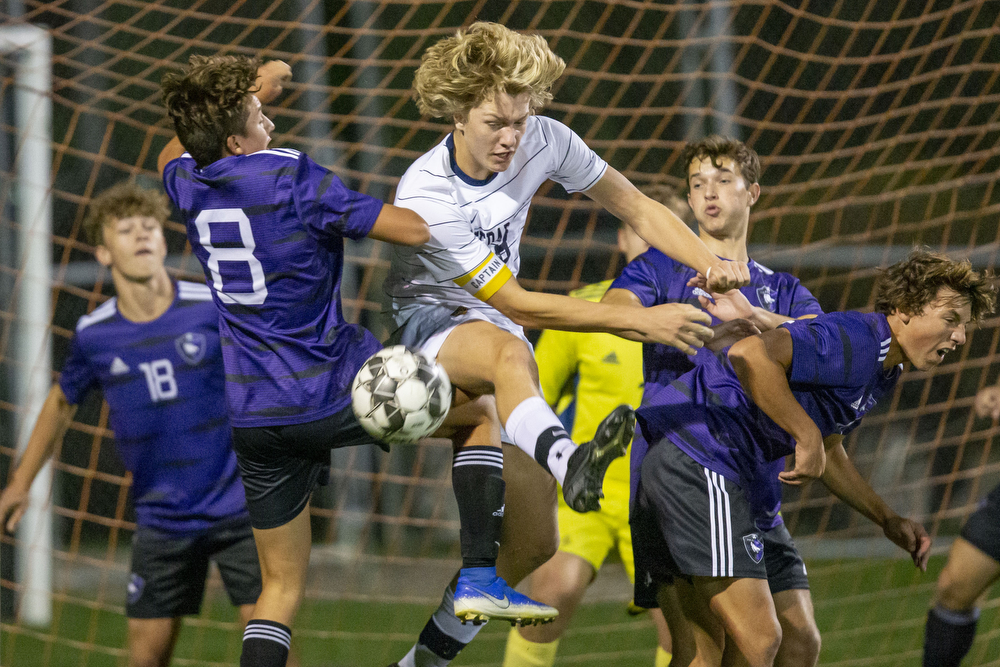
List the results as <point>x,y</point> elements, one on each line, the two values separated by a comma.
<point>802,300</point>
<point>77,375</point>
<point>328,208</point>
<point>832,351</point>
<point>640,278</point>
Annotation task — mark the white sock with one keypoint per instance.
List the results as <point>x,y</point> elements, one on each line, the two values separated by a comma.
<point>537,431</point>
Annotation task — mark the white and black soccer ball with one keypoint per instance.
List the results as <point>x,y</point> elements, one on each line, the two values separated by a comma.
<point>400,395</point>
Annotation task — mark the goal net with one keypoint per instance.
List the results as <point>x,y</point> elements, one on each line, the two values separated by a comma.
<point>877,123</point>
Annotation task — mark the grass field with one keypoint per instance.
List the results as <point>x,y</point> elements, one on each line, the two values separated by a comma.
<point>871,613</point>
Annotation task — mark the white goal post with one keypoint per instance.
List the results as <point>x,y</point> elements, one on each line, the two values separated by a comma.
<point>30,49</point>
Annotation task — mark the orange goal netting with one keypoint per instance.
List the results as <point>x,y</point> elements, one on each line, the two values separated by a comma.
<point>877,124</point>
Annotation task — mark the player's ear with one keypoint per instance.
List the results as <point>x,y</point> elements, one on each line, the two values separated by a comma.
<point>754,191</point>
<point>903,317</point>
<point>233,145</point>
<point>460,120</point>
<point>103,255</point>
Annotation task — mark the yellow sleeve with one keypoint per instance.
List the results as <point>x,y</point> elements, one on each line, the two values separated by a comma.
<point>556,356</point>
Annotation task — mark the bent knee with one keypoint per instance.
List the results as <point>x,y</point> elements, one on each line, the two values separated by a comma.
<point>953,591</point>
<point>759,645</point>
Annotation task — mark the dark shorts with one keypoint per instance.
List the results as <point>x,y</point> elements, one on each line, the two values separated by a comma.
<point>785,568</point>
<point>281,465</point>
<point>690,521</point>
<point>982,529</point>
<point>168,571</point>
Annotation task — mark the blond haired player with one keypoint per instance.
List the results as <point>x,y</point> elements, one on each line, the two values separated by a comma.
<point>457,297</point>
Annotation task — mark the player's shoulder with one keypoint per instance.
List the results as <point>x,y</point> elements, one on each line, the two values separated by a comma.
<point>592,292</point>
<point>103,314</point>
<point>429,177</point>
<point>188,291</point>
<point>276,155</point>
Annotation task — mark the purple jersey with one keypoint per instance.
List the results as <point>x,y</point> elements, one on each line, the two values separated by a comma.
<point>657,279</point>
<point>269,230</point>
<point>163,382</point>
<point>836,375</point>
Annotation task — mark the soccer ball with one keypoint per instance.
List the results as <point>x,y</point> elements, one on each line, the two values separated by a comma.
<point>400,395</point>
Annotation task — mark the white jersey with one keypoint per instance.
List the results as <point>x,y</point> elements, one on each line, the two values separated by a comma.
<point>476,226</point>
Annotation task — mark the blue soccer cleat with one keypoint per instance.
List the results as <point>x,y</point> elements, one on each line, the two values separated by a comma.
<point>587,465</point>
<point>482,595</point>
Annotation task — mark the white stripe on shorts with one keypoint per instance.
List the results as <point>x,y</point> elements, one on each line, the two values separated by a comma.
<point>720,525</point>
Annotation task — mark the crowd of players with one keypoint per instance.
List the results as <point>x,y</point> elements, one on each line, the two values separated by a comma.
<point>226,398</point>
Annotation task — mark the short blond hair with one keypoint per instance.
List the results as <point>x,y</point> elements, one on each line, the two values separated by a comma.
<point>461,72</point>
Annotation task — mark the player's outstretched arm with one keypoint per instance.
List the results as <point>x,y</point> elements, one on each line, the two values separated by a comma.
<point>662,229</point>
<point>53,420</point>
<point>845,482</point>
<point>678,324</point>
<point>761,363</point>
<point>723,335</point>
<point>400,226</point>
<point>272,77</point>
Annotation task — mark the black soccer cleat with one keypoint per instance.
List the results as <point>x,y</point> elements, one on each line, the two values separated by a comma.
<point>587,465</point>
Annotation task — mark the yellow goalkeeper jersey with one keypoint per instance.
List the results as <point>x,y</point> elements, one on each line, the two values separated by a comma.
<point>590,374</point>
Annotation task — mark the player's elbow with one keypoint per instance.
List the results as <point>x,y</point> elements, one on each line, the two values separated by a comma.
<point>414,229</point>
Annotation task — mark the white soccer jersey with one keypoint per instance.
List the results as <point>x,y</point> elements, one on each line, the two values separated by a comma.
<point>476,226</point>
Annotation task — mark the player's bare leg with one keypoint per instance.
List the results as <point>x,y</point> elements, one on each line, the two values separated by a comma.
<point>738,609</point>
<point>951,623</point>
<point>562,581</point>
<point>151,641</point>
<point>530,533</point>
<point>673,631</point>
<point>800,638</point>
<point>480,593</point>
<point>284,562</point>
<point>482,358</point>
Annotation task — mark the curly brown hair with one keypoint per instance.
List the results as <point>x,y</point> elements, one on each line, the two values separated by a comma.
<point>124,200</point>
<point>911,285</point>
<point>209,102</point>
<point>461,72</point>
<point>714,147</point>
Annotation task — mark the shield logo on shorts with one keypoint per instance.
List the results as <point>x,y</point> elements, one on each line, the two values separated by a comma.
<point>191,347</point>
<point>755,548</point>
<point>135,586</point>
<point>766,297</point>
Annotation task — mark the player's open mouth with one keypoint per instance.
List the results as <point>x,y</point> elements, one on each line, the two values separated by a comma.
<point>943,351</point>
<point>712,210</point>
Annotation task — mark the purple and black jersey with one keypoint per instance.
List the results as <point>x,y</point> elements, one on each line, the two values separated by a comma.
<point>836,375</point>
<point>269,230</point>
<point>164,385</point>
<point>657,279</point>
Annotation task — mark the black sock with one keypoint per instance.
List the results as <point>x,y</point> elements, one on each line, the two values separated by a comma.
<point>948,636</point>
<point>442,645</point>
<point>265,644</point>
<point>476,477</point>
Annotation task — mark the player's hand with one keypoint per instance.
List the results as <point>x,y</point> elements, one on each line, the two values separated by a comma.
<point>987,403</point>
<point>912,537</point>
<point>13,502</point>
<point>723,276</point>
<point>810,460</point>
<point>726,306</point>
<point>680,325</point>
<point>729,332</point>
<point>272,77</point>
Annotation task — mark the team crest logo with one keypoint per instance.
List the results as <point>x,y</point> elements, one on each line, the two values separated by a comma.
<point>191,347</point>
<point>135,586</point>
<point>766,297</point>
<point>755,548</point>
